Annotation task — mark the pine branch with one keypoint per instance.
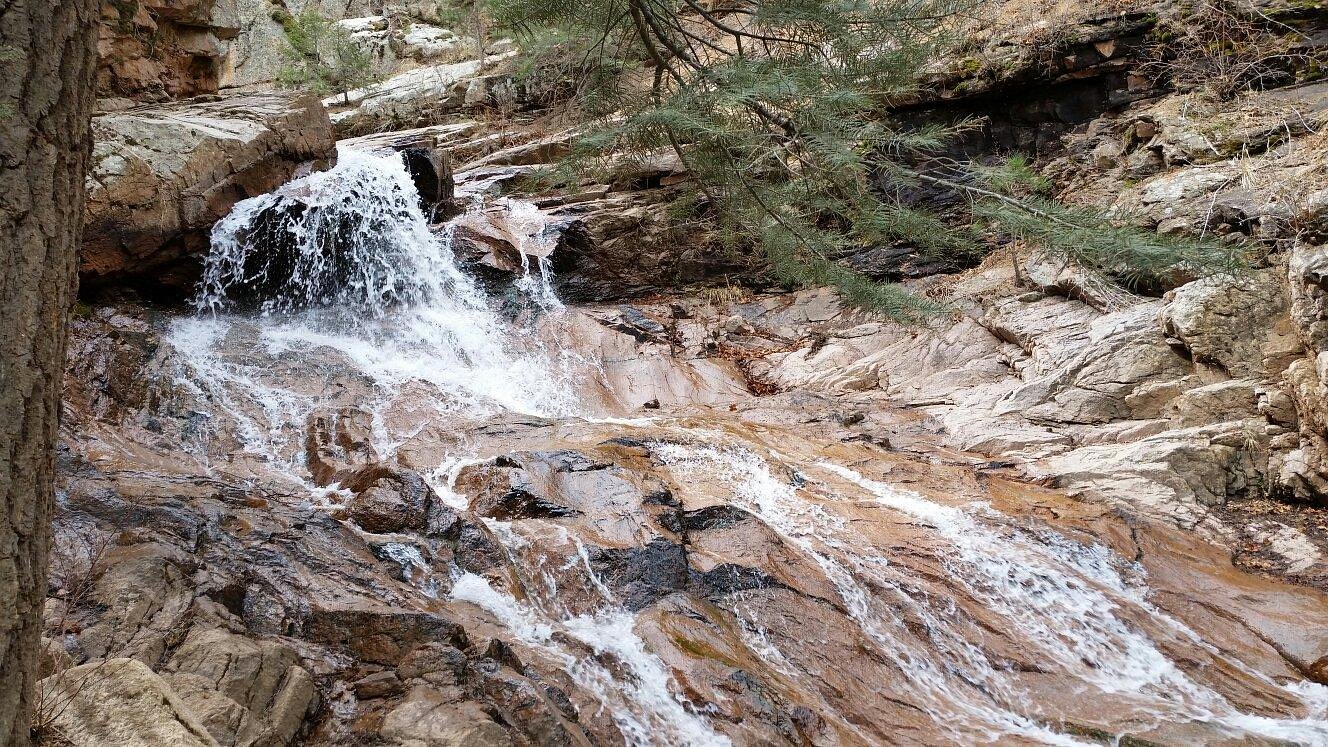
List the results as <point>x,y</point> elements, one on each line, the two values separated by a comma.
<point>780,129</point>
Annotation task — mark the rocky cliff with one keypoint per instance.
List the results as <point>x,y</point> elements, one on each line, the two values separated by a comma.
<point>161,50</point>
<point>545,468</point>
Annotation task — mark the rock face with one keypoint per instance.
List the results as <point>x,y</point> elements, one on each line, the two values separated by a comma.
<point>398,37</point>
<point>1247,166</point>
<point>162,175</point>
<point>537,590</point>
<point>727,516</point>
<point>119,701</point>
<point>421,96</point>
<point>157,50</point>
<point>243,691</point>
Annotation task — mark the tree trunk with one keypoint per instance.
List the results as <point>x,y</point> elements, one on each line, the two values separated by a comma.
<point>48,55</point>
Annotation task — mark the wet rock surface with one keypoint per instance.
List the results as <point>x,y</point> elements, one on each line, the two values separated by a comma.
<point>162,175</point>
<point>704,516</point>
<point>421,600</point>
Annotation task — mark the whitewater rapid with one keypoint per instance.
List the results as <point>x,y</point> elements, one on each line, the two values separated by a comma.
<point>365,304</point>
<point>369,291</point>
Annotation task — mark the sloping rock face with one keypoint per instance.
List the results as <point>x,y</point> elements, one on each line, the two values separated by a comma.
<point>772,519</point>
<point>162,175</point>
<point>118,701</point>
<point>572,580</point>
<point>1134,406</point>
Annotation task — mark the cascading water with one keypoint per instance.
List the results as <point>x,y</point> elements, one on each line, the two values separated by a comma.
<point>352,239</point>
<point>334,291</point>
<point>534,240</point>
<point>1078,606</point>
<point>642,698</point>
<point>341,268</point>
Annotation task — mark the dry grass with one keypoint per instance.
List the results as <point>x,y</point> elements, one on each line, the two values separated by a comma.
<point>1028,21</point>
<point>76,569</point>
<point>1224,47</point>
<point>723,296</point>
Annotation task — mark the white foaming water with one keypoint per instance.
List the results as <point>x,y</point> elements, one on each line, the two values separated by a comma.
<point>951,701</point>
<point>1064,596</point>
<point>351,238</point>
<point>534,239</point>
<point>359,292</point>
<point>334,290</point>
<point>443,479</point>
<point>415,570</point>
<point>640,698</point>
<point>1065,600</point>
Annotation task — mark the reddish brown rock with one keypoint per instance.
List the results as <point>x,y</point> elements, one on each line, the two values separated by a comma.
<point>390,499</point>
<point>162,175</point>
<point>337,443</point>
<point>153,50</point>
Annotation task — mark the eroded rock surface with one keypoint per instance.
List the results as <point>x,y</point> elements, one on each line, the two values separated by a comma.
<point>436,590</point>
<point>695,514</point>
<point>162,175</point>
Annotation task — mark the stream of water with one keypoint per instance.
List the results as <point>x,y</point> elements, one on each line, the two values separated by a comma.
<point>335,289</point>
<point>373,294</point>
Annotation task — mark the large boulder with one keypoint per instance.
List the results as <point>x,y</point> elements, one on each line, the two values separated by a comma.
<point>1233,327</point>
<point>426,719</point>
<point>162,175</point>
<point>120,702</point>
<point>242,690</point>
<point>390,499</point>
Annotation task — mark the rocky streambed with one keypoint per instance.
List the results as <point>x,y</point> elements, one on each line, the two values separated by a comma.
<point>430,504</point>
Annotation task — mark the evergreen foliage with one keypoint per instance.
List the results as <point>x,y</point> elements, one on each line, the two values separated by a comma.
<point>322,56</point>
<point>777,109</point>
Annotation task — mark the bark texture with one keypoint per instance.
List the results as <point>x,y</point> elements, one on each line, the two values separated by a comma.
<point>48,51</point>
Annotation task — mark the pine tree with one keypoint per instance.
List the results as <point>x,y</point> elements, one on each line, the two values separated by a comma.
<point>48,50</point>
<point>322,56</point>
<point>779,109</point>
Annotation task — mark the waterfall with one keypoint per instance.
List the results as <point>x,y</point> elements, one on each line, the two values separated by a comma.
<point>334,291</point>
<point>340,272</point>
<point>352,238</point>
<point>1078,606</point>
<point>534,240</point>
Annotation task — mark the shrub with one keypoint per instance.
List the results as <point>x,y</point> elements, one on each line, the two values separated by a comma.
<point>321,56</point>
<point>780,112</point>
